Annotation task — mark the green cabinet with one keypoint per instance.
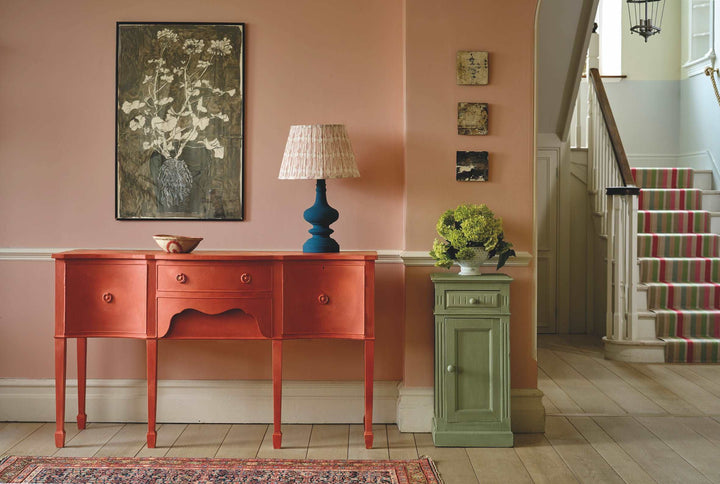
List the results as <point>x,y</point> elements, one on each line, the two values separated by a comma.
<point>472,361</point>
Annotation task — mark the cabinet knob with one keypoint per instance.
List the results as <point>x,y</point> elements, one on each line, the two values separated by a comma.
<point>451,368</point>
<point>472,300</point>
<point>323,299</point>
<point>181,278</point>
<point>245,278</point>
<point>107,297</point>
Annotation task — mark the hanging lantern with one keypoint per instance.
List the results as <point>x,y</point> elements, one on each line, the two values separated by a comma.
<point>646,16</point>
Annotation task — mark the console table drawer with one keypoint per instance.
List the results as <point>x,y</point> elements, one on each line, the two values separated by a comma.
<point>229,276</point>
<point>324,299</point>
<point>105,299</point>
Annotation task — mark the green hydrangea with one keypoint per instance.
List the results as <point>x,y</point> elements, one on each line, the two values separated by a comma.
<point>466,227</point>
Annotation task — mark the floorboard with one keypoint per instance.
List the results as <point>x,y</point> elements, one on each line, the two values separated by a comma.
<point>656,457</point>
<point>453,463</point>
<point>608,422</point>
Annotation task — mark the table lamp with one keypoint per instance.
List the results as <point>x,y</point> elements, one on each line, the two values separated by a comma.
<point>319,151</point>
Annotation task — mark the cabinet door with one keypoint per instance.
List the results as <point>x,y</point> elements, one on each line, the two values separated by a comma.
<point>473,369</point>
<point>324,299</point>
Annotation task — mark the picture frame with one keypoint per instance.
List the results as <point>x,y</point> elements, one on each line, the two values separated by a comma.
<point>472,119</point>
<point>472,166</point>
<point>179,123</point>
<point>472,68</point>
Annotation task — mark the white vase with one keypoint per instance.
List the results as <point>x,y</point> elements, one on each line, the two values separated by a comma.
<point>471,267</point>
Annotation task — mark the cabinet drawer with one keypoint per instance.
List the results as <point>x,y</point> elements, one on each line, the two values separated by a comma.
<point>105,299</point>
<point>324,299</point>
<point>229,276</point>
<point>474,299</point>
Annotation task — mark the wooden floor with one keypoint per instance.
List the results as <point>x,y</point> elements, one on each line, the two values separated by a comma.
<point>608,422</point>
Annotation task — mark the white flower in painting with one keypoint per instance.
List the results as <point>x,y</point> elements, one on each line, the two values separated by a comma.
<point>220,47</point>
<point>221,116</point>
<point>128,107</point>
<point>162,125</point>
<point>203,64</point>
<point>167,35</point>
<point>167,78</point>
<point>164,101</point>
<point>214,146</point>
<point>194,46</point>
<point>147,79</point>
<point>231,92</point>
<point>137,122</point>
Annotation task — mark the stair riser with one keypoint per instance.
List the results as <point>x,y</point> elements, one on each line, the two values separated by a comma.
<point>673,222</point>
<point>683,270</point>
<point>665,199</point>
<point>670,178</point>
<point>697,351</point>
<point>691,245</point>
<point>688,297</point>
<point>711,202</point>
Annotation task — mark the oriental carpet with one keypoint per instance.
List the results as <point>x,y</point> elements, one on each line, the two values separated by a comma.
<point>71,470</point>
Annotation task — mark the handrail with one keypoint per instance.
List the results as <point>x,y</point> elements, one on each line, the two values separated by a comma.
<point>612,129</point>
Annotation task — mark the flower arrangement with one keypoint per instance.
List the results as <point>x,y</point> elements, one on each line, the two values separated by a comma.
<point>467,230</point>
<point>177,104</point>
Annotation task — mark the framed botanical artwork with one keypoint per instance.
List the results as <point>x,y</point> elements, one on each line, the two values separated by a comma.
<point>472,166</point>
<point>180,96</point>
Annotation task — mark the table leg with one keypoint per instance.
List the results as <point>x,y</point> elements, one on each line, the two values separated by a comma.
<point>152,358</point>
<point>82,374</point>
<point>60,348</point>
<point>369,365</point>
<point>277,392</point>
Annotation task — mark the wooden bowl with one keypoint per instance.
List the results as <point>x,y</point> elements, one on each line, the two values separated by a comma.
<point>177,244</point>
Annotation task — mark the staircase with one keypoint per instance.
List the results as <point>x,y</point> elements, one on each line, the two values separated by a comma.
<point>679,259</point>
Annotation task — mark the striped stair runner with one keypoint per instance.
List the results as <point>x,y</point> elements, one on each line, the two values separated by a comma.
<point>680,263</point>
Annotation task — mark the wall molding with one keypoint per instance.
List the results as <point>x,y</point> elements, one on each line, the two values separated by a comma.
<point>409,258</point>
<point>203,401</point>
<point>415,409</point>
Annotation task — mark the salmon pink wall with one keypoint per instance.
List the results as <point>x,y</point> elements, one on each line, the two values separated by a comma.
<point>435,31</point>
<point>307,61</point>
<point>385,68</point>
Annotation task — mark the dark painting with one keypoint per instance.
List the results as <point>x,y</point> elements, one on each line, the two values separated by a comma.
<point>472,166</point>
<point>179,121</point>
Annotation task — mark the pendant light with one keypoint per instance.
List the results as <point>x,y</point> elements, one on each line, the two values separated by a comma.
<point>646,16</point>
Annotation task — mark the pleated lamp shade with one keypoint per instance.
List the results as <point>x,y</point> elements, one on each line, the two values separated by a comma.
<point>318,151</point>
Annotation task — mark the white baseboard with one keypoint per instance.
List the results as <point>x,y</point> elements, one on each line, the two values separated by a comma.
<point>635,351</point>
<point>415,410</point>
<point>204,401</point>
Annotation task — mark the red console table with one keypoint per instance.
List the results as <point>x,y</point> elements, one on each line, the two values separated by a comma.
<point>154,295</point>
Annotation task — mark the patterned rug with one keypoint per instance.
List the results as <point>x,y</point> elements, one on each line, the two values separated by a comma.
<point>680,263</point>
<point>71,470</point>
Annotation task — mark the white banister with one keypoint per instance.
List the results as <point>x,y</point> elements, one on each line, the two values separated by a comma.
<point>615,203</point>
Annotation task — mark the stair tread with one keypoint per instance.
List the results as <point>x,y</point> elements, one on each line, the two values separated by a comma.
<point>674,259</point>
<point>698,312</point>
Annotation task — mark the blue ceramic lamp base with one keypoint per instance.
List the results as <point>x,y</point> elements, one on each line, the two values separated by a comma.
<point>320,216</point>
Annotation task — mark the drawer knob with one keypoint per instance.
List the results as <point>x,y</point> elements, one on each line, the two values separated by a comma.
<point>107,297</point>
<point>451,368</point>
<point>472,300</point>
<point>181,278</point>
<point>323,299</point>
<point>245,278</point>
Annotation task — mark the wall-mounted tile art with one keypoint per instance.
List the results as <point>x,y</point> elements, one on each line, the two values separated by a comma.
<point>472,119</point>
<point>179,121</point>
<point>472,68</point>
<point>472,166</point>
